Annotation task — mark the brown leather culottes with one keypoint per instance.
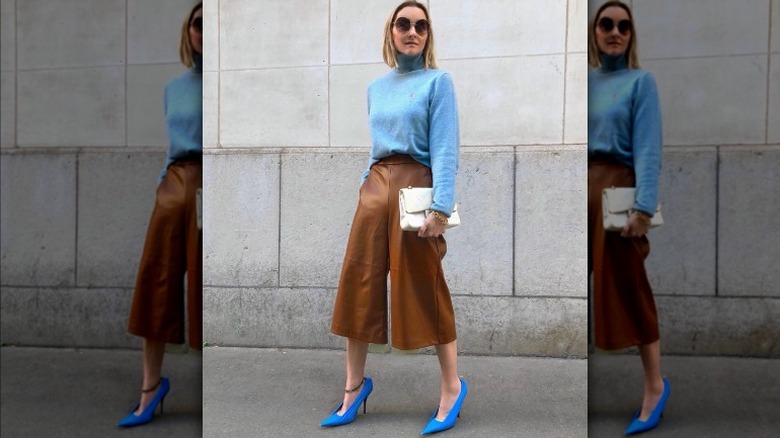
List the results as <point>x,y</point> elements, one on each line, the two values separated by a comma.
<point>173,247</point>
<point>420,305</point>
<point>623,305</point>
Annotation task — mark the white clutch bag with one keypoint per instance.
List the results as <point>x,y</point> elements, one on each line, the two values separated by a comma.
<point>617,204</point>
<point>414,205</point>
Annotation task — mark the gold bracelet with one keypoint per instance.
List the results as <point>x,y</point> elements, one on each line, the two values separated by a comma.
<point>644,217</point>
<point>440,217</point>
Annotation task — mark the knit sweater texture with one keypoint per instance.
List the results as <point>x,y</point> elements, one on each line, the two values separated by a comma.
<point>413,111</point>
<point>183,99</point>
<point>624,123</point>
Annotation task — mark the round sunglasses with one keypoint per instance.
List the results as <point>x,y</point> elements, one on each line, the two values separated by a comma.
<point>606,25</point>
<point>403,24</point>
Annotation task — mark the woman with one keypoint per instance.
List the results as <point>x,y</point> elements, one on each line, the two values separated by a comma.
<point>173,240</point>
<point>414,128</point>
<point>624,150</point>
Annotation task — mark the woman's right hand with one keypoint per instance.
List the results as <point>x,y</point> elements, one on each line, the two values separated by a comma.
<point>637,226</point>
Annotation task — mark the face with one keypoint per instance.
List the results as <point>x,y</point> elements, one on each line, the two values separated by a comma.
<point>411,41</point>
<point>613,31</point>
<point>196,31</point>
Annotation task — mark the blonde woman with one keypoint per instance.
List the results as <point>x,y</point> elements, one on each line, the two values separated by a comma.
<point>173,241</point>
<point>414,128</point>
<point>624,150</point>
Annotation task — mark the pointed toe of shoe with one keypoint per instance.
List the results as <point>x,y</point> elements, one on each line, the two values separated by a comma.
<point>131,419</point>
<point>337,420</point>
<point>435,425</point>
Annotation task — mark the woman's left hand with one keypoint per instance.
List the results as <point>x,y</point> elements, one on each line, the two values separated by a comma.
<point>637,225</point>
<point>432,227</point>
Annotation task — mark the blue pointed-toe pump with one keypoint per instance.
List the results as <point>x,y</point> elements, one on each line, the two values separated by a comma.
<point>639,426</point>
<point>163,386</point>
<point>334,419</point>
<point>435,425</point>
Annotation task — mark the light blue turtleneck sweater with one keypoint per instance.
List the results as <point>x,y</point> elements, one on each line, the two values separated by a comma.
<point>413,111</point>
<point>184,115</point>
<point>624,123</point>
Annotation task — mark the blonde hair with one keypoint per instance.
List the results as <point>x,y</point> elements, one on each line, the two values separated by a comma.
<point>594,53</point>
<point>390,53</point>
<point>186,54</point>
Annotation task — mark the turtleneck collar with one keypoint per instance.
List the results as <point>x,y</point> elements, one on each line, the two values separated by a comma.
<point>409,63</point>
<point>197,58</point>
<point>610,63</point>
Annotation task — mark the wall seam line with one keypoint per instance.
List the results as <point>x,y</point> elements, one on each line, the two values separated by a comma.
<point>279,230</point>
<point>768,72</point>
<point>717,219</point>
<point>76,232</point>
<point>565,73</point>
<point>127,37</point>
<point>15,143</point>
<point>330,22</point>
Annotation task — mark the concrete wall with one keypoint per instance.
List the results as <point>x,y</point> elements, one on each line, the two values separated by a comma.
<point>287,138</point>
<point>714,265</point>
<point>82,144</point>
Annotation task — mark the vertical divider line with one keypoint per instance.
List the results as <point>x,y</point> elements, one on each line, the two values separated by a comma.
<point>514,218</point>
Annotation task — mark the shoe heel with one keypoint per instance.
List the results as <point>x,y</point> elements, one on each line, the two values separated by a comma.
<point>162,402</point>
<point>364,405</point>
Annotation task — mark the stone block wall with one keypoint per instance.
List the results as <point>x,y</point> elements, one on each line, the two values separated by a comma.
<point>288,139</point>
<point>714,264</point>
<point>82,144</point>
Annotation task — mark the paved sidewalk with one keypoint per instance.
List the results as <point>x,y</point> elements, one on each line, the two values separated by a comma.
<point>63,392</point>
<point>286,393</point>
<point>710,396</point>
<point>58,392</point>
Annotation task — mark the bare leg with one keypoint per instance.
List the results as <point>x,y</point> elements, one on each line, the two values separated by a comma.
<point>357,352</point>
<point>450,382</point>
<point>653,382</point>
<point>153,359</point>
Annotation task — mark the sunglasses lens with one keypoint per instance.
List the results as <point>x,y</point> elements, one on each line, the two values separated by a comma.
<point>421,27</point>
<point>403,24</point>
<point>197,23</point>
<point>606,24</point>
<point>624,26</point>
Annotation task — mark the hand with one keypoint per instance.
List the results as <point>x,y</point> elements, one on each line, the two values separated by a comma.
<point>637,226</point>
<point>432,227</point>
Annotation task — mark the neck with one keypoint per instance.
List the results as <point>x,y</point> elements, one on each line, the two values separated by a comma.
<point>197,59</point>
<point>613,62</point>
<point>407,63</point>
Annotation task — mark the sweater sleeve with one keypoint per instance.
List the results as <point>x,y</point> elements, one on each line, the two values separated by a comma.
<point>647,141</point>
<point>444,143</point>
